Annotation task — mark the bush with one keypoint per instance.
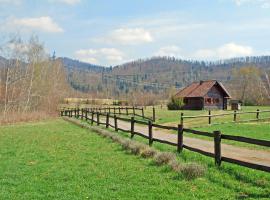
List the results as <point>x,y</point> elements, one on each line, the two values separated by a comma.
<point>148,152</point>
<point>193,170</point>
<point>175,103</point>
<point>164,158</point>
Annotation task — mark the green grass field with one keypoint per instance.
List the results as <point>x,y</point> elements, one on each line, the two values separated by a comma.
<point>58,160</point>
<point>165,116</point>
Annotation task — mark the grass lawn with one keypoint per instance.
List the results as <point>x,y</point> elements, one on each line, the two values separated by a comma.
<point>258,130</point>
<point>58,160</point>
<point>165,116</point>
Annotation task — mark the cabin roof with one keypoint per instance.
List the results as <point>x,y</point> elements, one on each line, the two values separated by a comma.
<point>200,89</point>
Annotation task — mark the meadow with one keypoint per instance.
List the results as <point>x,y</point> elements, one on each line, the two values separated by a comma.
<point>59,160</point>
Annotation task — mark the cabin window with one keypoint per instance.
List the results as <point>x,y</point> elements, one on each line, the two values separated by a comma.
<point>216,100</point>
<point>185,101</point>
<point>208,100</point>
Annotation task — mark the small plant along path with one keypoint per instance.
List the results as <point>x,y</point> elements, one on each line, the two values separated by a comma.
<point>240,153</point>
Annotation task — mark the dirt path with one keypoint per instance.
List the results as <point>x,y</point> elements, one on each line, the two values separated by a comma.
<point>240,153</point>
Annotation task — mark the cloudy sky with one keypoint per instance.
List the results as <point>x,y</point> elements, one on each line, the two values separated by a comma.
<point>110,32</point>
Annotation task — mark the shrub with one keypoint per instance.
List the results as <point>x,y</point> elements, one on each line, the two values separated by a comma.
<point>164,158</point>
<point>193,170</point>
<point>175,103</point>
<point>148,152</point>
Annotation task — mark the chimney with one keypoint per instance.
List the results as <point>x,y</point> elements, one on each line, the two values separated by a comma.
<point>201,82</point>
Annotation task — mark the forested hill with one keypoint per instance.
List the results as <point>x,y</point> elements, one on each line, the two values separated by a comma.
<point>154,74</point>
<point>72,64</point>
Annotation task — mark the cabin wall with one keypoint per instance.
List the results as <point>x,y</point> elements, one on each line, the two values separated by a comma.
<point>217,99</point>
<point>193,104</point>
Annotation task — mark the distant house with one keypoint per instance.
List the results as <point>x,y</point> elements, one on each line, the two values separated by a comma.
<point>209,94</point>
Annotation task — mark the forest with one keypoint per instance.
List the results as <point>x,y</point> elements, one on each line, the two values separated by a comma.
<point>157,78</point>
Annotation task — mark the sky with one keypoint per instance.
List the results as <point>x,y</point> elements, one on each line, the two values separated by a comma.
<point>112,32</point>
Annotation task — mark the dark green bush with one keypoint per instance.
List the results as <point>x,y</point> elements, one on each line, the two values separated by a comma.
<point>175,103</point>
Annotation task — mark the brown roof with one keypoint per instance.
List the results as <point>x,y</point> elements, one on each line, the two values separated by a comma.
<point>200,89</point>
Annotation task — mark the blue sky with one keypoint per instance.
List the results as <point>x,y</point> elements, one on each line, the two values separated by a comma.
<point>110,32</point>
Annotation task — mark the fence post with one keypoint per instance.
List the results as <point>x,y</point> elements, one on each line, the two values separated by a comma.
<point>107,120</point>
<point>115,123</point>
<point>133,110</point>
<point>154,114</point>
<point>142,112</point>
<point>150,131</point>
<point>257,114</point>
<point>132,122</point>
<point>217,147</point>
<point>119,111</point>
<point>92,117</point>
<point>82,111</point>
<point>98,118</point>
<point>182,119</point>
<point>180,138</point>
<point>127,110</point>
<point>86,113</point>
<point>234,116</point>
<point>114,110</point>
<point>209,118</point>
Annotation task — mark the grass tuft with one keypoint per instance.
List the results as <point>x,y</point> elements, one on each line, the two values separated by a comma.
<point>193,170</point>
<point>164,158</point>
<point>148,152</point>
<point>136,148</point>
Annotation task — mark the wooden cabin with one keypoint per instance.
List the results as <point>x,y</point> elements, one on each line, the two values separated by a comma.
<point>201,95</point>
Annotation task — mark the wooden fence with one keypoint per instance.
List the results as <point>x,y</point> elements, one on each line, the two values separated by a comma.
<point>134,111</point>
<point>216,135</point>
<point>234,115</point>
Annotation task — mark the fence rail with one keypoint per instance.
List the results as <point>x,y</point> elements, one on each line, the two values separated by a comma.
<point>129,111</point>
<point>216,135</point>
<point>234,115</point>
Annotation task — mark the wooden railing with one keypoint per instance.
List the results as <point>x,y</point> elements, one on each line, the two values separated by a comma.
<point>234,115</point>
<point>129,111</point>
<point>94,117</point>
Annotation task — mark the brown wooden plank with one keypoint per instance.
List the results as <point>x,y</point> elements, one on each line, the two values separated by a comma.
<point>164,142</point>
<point>246,164</point>
<point>247,140</point>
<point>165,127</point>
<point>203,133</point>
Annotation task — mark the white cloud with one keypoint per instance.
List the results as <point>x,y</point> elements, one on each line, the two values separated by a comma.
<point>127,36</point>
<point>69,2</point>
<point>228,50</point>
<point>45,24</point>
<point>108,56</point>
<point>171,51</point>
<point>262,3</point>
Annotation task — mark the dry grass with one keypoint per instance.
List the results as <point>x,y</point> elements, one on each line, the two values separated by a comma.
<point>175,165</point>
<point>193,170</point>
<point>148,152</point>
<point>15,117</point>
<point>163,158</point>
<point>136,148</point>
